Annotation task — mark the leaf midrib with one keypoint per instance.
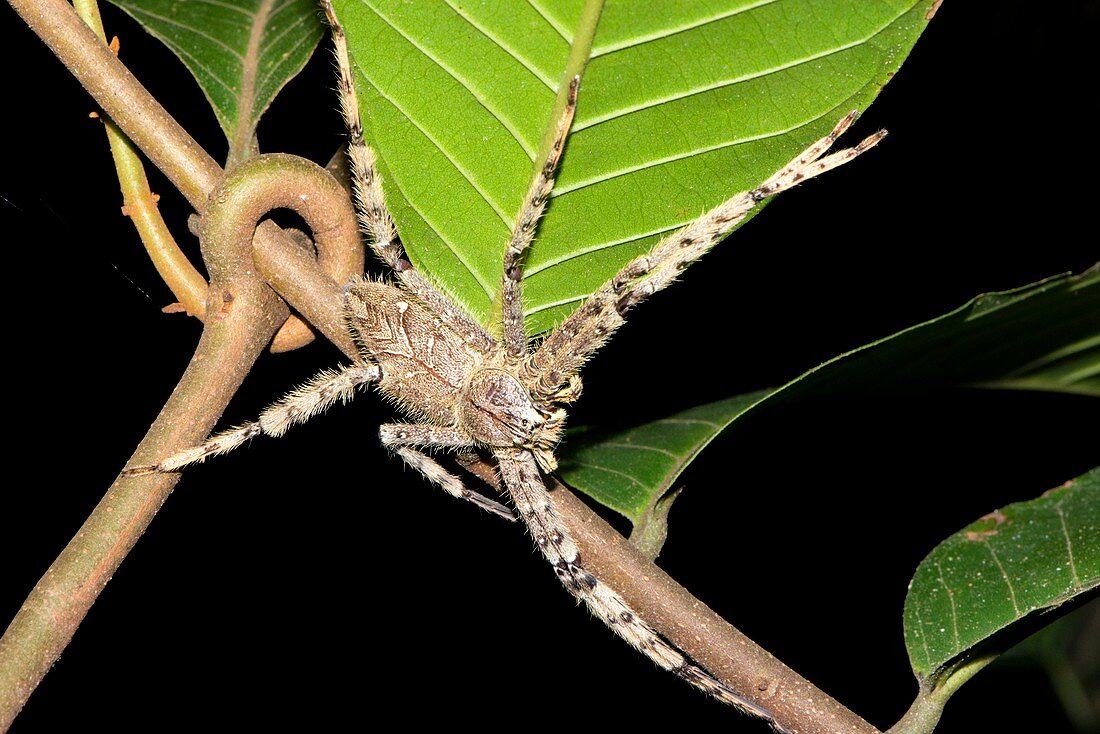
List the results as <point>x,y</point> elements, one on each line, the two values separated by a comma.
<point>271,69</point>
<point>241,140</point>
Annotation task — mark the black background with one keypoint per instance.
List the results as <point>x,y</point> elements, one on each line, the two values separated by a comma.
<point>311,581</point>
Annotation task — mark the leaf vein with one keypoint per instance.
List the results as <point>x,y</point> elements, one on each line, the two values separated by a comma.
<point>446,154</point>
<point>596,248</point>
<point>300,20</point>
<point>183,53</point>
<point>923,637</point>
<point>657,101</point>
<point>227,6</point>
<point>554,304</point>
<point>488,288</point>
<point>639,447</point>
<point>1004,575</point>
<point>616,472</point>
<point>549,83</point>
<point>950,598</point>
<point>698,421</point>
<point>466,84</point>
<point>673,30</point>
<point>1069,546</point>
<point>192,29</point>
<point>216,3</point>
<point>583,183</point>
<point>561,31</point>
<point>287,56</point>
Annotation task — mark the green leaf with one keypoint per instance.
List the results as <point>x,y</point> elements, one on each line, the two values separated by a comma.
<point>1041,336</point>
<point>456,98</point>
<point>241,52</point>
<point>993,574</point>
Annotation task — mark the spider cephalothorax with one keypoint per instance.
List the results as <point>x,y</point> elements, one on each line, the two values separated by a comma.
<point>468,391</point>
<point>499,412</point>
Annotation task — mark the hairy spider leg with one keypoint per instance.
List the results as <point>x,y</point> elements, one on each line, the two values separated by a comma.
<point>567,348</point>
<point>297,406</point>
<point>375,218</point>
<point>404,439</point>
<point>511,289</point>
<point>521,476</point>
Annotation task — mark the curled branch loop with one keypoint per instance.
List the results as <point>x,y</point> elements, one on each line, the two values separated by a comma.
<point>279,181</point>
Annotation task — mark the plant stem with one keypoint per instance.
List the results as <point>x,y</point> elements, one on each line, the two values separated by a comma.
<point>279,181</point>
<point>243,312</point>
<point>247,313</point>
<point>174,151</point>
<point>692,626</point>
<point>244,315</point>
<point>139,203</point>
<point>177,155</point>
<point>122,97</point>
<point>924,714</point>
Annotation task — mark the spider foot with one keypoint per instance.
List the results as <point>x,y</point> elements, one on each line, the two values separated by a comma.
<point>141,470</point>
<point>439,476</point>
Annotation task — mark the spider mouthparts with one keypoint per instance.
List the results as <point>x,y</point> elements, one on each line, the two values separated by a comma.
<point>545,459</point>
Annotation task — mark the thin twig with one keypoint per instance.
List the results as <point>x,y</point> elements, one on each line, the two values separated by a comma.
<point>170,148</point>
<point>140,204</point>
<point>244,313</point>
<point>121,96</point>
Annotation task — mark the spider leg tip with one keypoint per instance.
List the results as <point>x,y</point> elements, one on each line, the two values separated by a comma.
<point>872,140</point>
<point>139,471</point>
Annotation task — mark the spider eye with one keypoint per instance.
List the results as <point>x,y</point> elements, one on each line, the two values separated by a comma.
<point>524,422</point>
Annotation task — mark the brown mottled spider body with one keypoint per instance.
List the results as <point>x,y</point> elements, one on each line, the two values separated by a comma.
<point>468,392</point>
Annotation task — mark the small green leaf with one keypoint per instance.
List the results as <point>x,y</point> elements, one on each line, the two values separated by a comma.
<point>683,104</point>
<point>241,52</point>
<point>1021,559</point>
<point>1020,338</point>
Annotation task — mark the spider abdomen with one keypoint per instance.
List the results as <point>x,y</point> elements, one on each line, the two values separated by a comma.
<point>424,364</point>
